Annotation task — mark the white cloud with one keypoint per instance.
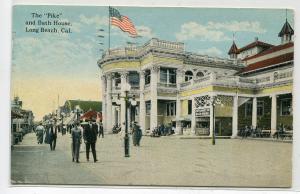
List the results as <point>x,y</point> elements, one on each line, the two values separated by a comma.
<point>213,51</point>
<point>215,31</point>
<point>94,20</point>
<point>76,26</point>
<point>236,26</point>
<point>194,30</point>
<point>145,31</point>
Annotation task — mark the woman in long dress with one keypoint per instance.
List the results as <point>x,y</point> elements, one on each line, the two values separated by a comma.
<point>76,133</point>
<point>39,133</point>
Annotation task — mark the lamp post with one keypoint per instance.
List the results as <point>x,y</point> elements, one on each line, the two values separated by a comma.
<point>133,102</point>
<point>214,100</point>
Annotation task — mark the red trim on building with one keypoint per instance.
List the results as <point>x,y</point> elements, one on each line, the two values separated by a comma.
<point>271,50</point>
<point>254,44</point>
<point>268,62</point>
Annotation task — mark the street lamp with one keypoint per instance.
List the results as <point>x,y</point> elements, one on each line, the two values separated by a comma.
<point>214,100</point>
<point>127,98</point>
<point>133,104</point>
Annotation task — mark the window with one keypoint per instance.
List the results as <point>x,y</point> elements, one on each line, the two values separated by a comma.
<point>260,108</point>
<point>190,107</point>
<point>248,109</point>
<point>163,75</point>
<point>137,110</point>
<point>172,76</point>
<point>117,79</point>
<point>188,76</point>
<point>286,107</point>
<point>148,108</point>
<point>134,78</point>
<point>167,75</point>
<point>200,74</point>
<point>171,109</point>
<point>147,77</point>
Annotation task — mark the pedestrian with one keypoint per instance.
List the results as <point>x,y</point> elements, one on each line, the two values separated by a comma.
<point>90,138</point>
<point>40,133</point>
<point>76,133</point>
<point>136,134</point>
<point>47,134</point>
<point>52,136</point>
<point>63,129</point>
<point>100,130</point>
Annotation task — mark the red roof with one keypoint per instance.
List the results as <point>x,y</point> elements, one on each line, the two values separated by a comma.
<point>271,50</point>
<point>286,29</point>
<point>91,115</point>
<point>268,62</point>
<point>254,44</point>
<point>233,49</point>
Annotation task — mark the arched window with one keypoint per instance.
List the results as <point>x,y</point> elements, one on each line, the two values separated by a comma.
<point>188,75</point>
<point>200,74</point>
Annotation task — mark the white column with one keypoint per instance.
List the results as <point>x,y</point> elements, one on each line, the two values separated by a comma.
<point>274,114</point>
<point>129,115</point>
<point>103,89</point>
<point>113,116</point>
<point>235,116</point>
<point>108,104</point>
<point>211,119</point>
<point>254,112</point>
<point>193,121</point>
<point>142,115</point>
<point>179,77</point>
<point>113,82</point>
<point>123,85</point>
<point>153,114</point>
<point>119,116</point>
<point>178,113</point>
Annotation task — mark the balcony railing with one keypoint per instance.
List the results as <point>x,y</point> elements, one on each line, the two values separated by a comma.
<point>202,79</point>
<point>167,85</point>
<point>135,87</point>
<point>269,78</point>
<point>184,84</point>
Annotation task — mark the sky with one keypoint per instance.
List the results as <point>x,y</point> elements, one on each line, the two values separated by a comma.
<point>50,68</point>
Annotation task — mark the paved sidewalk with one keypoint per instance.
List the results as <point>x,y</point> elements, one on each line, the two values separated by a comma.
<point>165,161</point>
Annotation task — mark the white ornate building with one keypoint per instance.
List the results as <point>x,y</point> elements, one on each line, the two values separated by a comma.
<point>171,84</point>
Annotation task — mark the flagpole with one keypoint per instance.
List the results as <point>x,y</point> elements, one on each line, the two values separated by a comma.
<point>108,30</point>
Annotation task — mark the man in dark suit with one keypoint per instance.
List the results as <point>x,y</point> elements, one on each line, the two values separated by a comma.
<point>52,136</point>
<point>90,138</point>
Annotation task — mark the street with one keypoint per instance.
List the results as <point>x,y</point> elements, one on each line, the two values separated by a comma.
<point>164,161</point>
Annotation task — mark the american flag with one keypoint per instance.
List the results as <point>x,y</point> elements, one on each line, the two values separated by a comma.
<point>123,22</point>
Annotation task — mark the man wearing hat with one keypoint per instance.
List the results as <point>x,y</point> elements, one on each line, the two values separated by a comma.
<point>90,138</point>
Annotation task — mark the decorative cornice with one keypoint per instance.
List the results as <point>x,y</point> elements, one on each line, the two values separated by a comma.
<point>108,76</point>
<point>155,69</point>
